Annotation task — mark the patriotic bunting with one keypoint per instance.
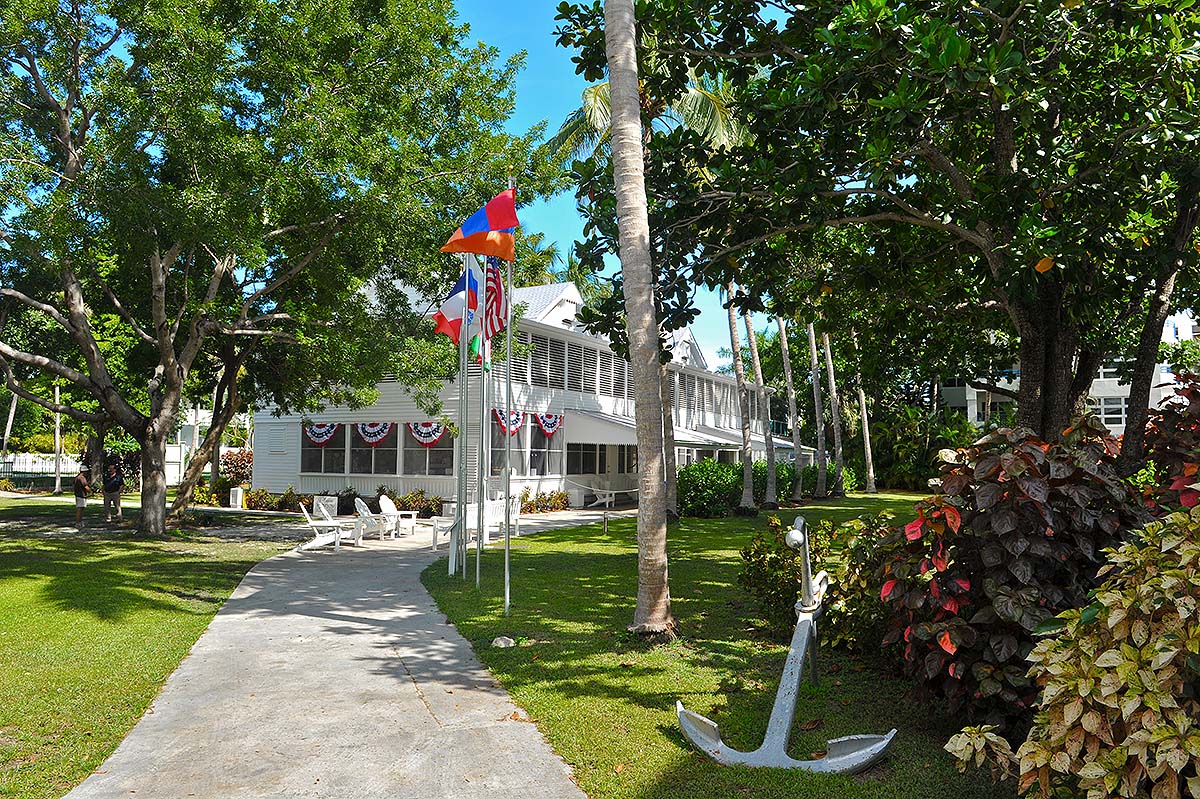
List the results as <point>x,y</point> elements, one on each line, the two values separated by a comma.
<point>550,423</point>
<point>320,434</point>
<point>515,420</point>
<point>374,433</point>
<point>427,434</point>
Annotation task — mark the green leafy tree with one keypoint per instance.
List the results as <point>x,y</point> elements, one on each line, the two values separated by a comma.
<point>1048,149</point>
<point>254,189</point>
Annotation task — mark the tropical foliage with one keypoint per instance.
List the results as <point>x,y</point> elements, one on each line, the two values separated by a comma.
<point>1013,537</point>
<point>1119,713</point>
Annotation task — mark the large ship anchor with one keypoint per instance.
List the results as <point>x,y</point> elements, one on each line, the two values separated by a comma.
<point>848,754</point>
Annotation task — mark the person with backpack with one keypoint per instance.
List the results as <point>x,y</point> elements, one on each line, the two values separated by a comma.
<point>114,481</point>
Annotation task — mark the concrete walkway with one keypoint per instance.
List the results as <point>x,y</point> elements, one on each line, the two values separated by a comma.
<point>333,675</point>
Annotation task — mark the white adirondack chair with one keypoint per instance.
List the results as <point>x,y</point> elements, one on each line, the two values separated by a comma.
<point>402,521</point>
<point>371,522</point>
<point>441,527</point>
<point>328,530</point>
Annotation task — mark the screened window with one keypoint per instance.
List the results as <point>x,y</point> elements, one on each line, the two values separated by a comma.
<point>520,462</point>
<point>329,459</point>
<point>587,458</point>
<point>545,452</point>
<point>366,459</point>
<point>437,460</point>
<point>627,458</point>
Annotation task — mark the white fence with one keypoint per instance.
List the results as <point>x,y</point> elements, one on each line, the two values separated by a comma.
<point>38,464</point>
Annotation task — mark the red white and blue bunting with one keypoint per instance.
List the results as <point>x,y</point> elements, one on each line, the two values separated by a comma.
<point>550,423</point>
<point>320,434</point>
<point>427,434</point>
<point>374,433</point>
<point>515,420</point>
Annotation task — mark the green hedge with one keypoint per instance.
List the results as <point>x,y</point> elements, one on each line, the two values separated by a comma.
<point>709,489</point>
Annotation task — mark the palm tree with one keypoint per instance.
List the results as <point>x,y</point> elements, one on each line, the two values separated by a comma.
<point>819,408</point>
<point>743,393</point>
<point>653,611</point>
<point>835,412</point>
<point>764,402</point>
<point>797,486</point>
<point>706,108</point>
<point>868,456</point>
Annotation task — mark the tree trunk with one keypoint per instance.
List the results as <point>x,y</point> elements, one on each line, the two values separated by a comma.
<point>739,372</point>
<point>868,457</point>
<point>57,445</point>
<point>835,412</point>
<point>769,500</point>
<point>819,408</point>
<point>95,451</point>
<point>153,520</point>
<point>1145,366</point>
<point>12,412</point>
<point>785,354</point>
<point>668,426</point>
<point>214,456</point>
<point>653,611</point>
<point>226,403</point>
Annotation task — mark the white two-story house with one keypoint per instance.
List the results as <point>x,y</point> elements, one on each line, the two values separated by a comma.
<point>573,431</point>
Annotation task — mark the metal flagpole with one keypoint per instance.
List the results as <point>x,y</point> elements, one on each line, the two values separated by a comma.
<point>483,468</point>
<point>508,404</point>
<point>460,489</point>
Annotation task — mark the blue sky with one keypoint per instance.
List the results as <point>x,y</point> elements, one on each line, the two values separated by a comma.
<point>548,89</point>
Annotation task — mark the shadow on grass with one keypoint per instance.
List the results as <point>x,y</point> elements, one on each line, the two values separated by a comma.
<point>110,575</point>
<point>606,700</point>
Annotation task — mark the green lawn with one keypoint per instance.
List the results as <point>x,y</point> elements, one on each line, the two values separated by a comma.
<point>90,627</point>
<point>605,700</point>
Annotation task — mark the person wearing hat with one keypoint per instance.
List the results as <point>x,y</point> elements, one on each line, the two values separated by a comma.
<point>82,489</point>
<point>114,481</point>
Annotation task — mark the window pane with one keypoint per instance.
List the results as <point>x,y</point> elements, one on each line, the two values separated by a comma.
<point>602,459</point>
<point>385,461</point>
<point>414,460</point>
<point>310,459</point>
<point>441,461</point>
<point>360,460</point>
<point>335,459</point>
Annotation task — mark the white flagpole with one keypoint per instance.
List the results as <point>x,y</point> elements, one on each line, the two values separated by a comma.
<point>460,489</point>
<point>483,466</point>
<point>508,404</point>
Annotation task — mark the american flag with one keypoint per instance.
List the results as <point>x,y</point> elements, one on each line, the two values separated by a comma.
<point>497,303</point>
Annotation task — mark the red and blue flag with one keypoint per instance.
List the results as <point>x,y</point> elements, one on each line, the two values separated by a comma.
<point>489,231</point>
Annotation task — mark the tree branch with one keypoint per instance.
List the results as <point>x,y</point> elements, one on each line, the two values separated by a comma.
<point>14,385</point>
<point>48,310</point>
<point>992,388</point>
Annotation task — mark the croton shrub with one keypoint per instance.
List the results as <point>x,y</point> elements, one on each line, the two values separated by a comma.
<point>1013,538</point>
<point>1119,712</point>
<point>1173,447</point>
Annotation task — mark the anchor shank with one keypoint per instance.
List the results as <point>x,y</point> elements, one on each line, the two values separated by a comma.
<point>779,728</point>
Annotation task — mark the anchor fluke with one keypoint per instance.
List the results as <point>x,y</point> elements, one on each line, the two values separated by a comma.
<point>845,755</point>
